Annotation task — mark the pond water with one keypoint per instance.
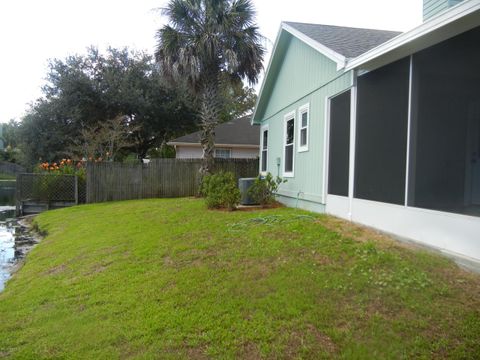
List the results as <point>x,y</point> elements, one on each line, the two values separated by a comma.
<point>15,240</point>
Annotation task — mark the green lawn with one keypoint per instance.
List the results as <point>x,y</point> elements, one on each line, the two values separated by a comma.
<point>169,279</point>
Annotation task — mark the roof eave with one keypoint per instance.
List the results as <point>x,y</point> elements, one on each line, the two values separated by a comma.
<point>329,53</point>
<point>254,121</point>
<point>423,36</point>
<point>339,59</point>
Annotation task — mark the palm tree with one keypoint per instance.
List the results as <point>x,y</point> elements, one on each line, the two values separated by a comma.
<point>205,42</point>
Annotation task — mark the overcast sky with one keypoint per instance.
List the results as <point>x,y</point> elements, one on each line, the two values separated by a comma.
<point>33,31</point>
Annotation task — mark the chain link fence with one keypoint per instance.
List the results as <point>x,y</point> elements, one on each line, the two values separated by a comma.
<point>38,192</point>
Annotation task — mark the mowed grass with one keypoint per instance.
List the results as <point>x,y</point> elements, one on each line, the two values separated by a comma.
<point>170,279</point>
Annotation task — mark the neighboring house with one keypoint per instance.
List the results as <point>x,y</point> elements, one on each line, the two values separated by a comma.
<point>233,139</point>
<point>378,127</point>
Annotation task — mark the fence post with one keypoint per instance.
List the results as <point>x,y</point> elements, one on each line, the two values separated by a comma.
<point>76,189</point>
<point>17,198</point>
<point>88,184</point>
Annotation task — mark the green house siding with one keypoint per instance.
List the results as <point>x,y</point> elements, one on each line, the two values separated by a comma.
<point>304,77</point>
<point>303,70</point>
<point>433,7</point>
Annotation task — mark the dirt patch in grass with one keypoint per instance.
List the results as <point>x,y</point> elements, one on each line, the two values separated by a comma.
<point>275,205</point>
<point>196,354</point>
<point>98,268</point>
<point>467,283</point>
<point>358,232</point>
<point>249,350</point>
<point>247,208</point>
<point>457,278</point>
<point>56,270</point>
<point>315,256</point>
<point>311,338</point>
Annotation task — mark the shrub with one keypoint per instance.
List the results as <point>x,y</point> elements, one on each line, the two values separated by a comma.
<point>264,189</point>
<point>221,191</point>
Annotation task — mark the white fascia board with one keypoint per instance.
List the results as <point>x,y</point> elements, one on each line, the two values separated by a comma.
<point>339,59</point>
<point>455,13</point>
<point>265,77</point>
<point>237,146</point>
<point>329,53</point>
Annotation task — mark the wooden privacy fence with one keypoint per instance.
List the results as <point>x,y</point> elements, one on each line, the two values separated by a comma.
<point>160,178</point>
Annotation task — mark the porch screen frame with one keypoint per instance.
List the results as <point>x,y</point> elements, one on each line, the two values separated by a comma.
<point>345,192</point>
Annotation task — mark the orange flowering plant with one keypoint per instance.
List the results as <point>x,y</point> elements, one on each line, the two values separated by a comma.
<point>64,167</point>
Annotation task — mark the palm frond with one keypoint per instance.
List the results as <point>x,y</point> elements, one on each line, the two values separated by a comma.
<point>204,37</point>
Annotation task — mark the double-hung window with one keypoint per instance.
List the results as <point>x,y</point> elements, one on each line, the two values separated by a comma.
<point>289,144</point>
<point>304,116</point>
<point>223,153</point>
<point>264,147</point>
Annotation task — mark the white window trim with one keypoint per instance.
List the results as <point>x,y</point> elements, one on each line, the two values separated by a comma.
<point>289,116</point>
<point>303,109</point>
<point>262,129</point>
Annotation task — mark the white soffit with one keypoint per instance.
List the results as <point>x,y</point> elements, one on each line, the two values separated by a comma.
<point>457,20</point>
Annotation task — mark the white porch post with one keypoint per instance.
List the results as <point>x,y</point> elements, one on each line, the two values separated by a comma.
<point>409,129</point>
<point>353,127</point>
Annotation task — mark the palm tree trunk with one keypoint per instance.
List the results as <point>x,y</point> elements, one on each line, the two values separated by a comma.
<point>209,117</point>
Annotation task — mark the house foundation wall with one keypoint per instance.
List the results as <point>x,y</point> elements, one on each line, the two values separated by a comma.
<point>450,233</point>
<point>301,204</point>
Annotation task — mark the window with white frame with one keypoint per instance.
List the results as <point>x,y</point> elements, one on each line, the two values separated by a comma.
<point>289,145</point>
<point>223,153</point>
<point>264,147</point>
<point>304,116</point>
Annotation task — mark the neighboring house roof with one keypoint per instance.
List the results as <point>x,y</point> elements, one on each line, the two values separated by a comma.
<point>235,132</point>
<point>346,41</point>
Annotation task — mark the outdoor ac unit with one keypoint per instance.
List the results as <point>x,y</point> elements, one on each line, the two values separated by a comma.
<point>244,184</point>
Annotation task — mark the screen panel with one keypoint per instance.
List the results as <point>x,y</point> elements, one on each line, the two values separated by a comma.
<point>445,138</point>
<point>339,144</point>
<point>381,133</point>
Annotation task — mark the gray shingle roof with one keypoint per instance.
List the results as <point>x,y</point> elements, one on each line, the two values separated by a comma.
<point>347,41</point>
<point>235,132</point>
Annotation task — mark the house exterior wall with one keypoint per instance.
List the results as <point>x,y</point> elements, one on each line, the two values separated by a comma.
<point>305,77</point>
<point>240,153</point>
<point>188,152</point>
<point>433,7</point>
<point>195,152</point>
<point>448,229</point>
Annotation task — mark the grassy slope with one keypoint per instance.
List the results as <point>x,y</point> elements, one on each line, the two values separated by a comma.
<point>143,278</point>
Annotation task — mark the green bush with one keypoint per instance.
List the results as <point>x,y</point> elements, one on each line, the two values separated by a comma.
<point>221,191</point>
<point>264,189</point>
